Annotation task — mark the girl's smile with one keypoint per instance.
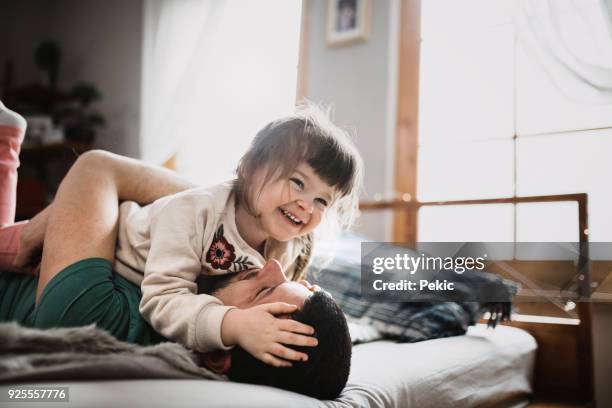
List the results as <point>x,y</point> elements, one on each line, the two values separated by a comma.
<point>290,217</point>
<point>286,208</point>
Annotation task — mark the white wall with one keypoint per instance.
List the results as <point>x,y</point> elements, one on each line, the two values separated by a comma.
<point>359,80</point>
<point>101,43</point>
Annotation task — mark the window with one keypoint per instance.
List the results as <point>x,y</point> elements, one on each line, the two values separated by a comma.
<point>515,100</point>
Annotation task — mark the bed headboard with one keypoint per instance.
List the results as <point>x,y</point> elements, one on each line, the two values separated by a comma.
<point>564,361</point>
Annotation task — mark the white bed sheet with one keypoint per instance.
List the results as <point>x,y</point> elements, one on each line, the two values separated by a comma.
<point>485,367</point>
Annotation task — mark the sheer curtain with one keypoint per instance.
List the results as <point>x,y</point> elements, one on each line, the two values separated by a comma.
<point>548,31</point>
<point>177,39</point>
<point>214,72</point>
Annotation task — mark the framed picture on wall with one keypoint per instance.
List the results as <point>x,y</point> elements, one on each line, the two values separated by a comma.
<point>348,21</point>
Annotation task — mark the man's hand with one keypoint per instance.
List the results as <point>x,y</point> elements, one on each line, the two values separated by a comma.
<point>261,333</point>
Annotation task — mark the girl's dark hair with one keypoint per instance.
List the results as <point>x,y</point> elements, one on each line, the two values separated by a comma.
<point>308,136</point>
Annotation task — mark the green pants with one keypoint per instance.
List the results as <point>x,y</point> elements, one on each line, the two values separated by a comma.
<point>85,292</point>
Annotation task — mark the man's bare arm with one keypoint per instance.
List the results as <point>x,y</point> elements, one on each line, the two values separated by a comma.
<point>82,221</point>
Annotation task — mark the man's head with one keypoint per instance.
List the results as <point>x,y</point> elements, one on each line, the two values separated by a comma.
<point>325,373</point>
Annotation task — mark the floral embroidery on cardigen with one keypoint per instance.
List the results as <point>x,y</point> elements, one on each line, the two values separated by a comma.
<point>242,264</point>
<point>221,254</point>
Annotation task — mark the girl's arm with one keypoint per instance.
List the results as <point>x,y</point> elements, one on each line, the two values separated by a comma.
<point>170,302</point>
<point>127,179</point>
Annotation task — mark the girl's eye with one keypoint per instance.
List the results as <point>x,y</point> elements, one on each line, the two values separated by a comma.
<point>322,202</point>
<point>298,183</point>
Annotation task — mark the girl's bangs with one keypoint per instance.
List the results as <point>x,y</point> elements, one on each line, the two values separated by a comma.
<point>334,165</point>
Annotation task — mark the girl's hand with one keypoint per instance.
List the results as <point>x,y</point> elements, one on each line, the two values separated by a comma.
<point>261,333</point>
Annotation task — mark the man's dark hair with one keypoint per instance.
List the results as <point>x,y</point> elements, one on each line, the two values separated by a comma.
<point>212,284</point>
<point>325,373</point>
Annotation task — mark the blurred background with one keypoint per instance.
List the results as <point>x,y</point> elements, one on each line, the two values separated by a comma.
<point>447,100</point>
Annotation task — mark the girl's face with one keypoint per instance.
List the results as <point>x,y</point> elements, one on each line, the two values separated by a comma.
<point>293,206</point>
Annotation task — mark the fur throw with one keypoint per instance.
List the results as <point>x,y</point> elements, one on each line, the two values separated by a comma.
<point>89,352</point>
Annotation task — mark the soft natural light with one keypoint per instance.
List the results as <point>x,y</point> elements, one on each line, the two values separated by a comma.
<point>547,222</point>
<point>466,120</point>
<point>454,171</point>
<point>570,105</point>
<point>466,223</point>
<point>214,73</point>
<point>575,163</point>
<point>493,70</point>
<point>251,79</point>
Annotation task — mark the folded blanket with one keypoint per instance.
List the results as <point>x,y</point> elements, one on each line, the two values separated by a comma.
<point>89,353</point>
<point>407,321</point>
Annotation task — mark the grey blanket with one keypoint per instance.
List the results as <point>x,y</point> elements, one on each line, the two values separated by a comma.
<point>87,352</point>
<point>407,321</point>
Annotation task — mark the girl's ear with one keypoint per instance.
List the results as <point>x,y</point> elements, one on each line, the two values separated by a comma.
<point>219,361</point>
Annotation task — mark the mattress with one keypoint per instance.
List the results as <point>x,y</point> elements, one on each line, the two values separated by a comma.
<point>485,367</point>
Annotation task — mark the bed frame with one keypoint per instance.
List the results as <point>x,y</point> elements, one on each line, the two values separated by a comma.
<point>564,360</point>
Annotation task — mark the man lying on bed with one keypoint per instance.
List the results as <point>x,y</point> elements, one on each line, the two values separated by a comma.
<point>76,285</point>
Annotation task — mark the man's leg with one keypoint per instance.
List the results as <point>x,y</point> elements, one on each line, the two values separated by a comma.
<point>82,221</point>
<point>136,182</point>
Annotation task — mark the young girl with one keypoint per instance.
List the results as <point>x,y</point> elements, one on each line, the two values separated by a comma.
<point>298,170</point>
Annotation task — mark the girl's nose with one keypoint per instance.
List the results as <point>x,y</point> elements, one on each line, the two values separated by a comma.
<point>272,272</point>
<point>305,206</point>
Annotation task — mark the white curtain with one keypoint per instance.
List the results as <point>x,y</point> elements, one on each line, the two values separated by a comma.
<point>214,72</point>
<point>572,41</point>
<point>177,40</point>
